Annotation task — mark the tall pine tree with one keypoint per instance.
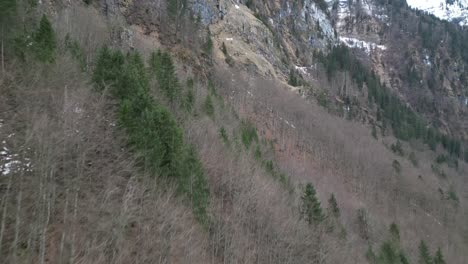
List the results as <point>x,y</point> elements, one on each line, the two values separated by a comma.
<point>44,41</point>
<point>311,209</point>
<point>7,10</point>
<point>424,255</point>
<point>439,258</point>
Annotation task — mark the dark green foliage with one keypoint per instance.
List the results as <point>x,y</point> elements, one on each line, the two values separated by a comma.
<point>405,123</point>
<point>322,99</point>
<point>192,181</point>
<point>258,153</point>
<point>396,165</point>
<point>311,209</point>
<point>269,166</point>
<point>404,258</point>
<point>132,80</point>
<point>162,66</point>
<point>439,258</point>
<point>333,206</point>
<point>248,133</point>
<point>75,51</point>
<point>441,159</point>
<point>189,100</point>
<point>109,65</point>
<point>7,10</point>
<point>395,233</point>
<point>438,171</point>
<point>224,135</point>
<point>152,130</point>
<point>322,5</point>
<point>370,256</point>
<point>228,58</point>
<point>424,254</point>
<point>208,46</point>
<point>388,254</point>
<point>397,148</point>
<point>176,8</point>
<point>363,223</point>
<point>452,195</point>
<point>44,41</point>
<point>87,1</point>
<point>294,79</point>
<point>208,106</point>
<point>413,159</point>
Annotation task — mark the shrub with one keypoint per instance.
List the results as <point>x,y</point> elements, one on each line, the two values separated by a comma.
<point>438,171</point>
<point>228,58</point>
<point>224,135</point>
<point>396,165</point>
<point>370,255</point>
<point>363,223</point>
<point>248,133</point>
<point>208,106</point>
<point>452,195</point>
<point>395,233</point>
<point>397,148</point>
<point>258,153</point>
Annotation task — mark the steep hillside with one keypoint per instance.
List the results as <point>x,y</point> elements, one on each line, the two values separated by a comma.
<point>222,131</point>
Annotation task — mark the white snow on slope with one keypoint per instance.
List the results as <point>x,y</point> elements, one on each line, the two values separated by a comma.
<point>368,47</point>
<point>458,11</point>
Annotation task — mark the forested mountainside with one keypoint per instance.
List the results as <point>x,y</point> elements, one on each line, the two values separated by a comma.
<point>225,131</point>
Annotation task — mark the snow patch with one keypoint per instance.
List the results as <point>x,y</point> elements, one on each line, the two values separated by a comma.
<point>368,47</point>
<point>10,162</point>
<point>302,70</point>
<point>457,11</point>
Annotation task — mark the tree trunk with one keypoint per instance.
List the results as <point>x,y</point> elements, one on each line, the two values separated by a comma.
<point>3,54</point>
<point>5,207</point>
<point>18,218</point>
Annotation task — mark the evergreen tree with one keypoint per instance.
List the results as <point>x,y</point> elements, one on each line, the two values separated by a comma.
<point>424,255</point>
<point>192,180</point>
<point>388,254</point>
<point>108,67</point>
<point>166,75</point>
<point>293,80</point>
<point>208,106</point>
<point>439,258</point>
<point>403,258</point>
<point>44,41</point>
<point>7,10</point>
<point>311,210</point>
<point>395,233</point>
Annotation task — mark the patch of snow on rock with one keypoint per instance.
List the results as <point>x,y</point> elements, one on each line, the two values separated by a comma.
<point>368,47</point>
<point>456,12</point>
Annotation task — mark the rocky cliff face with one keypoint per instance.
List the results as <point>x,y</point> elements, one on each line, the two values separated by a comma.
<point>416,55</point>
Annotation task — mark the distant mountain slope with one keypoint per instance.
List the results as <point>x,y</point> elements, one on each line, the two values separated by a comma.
<point>451,10</point>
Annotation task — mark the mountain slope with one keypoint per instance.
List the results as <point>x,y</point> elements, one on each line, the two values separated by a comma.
<point>451,10</point>
<point>203,131</point>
